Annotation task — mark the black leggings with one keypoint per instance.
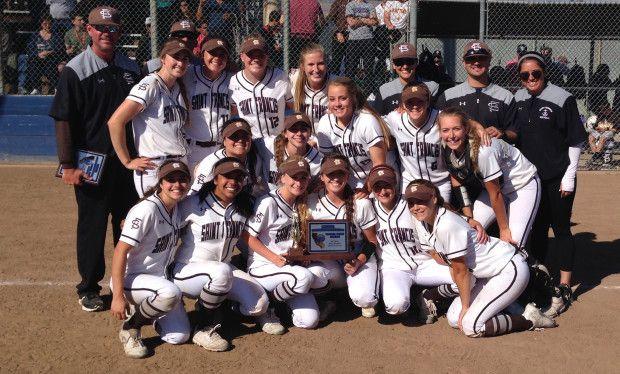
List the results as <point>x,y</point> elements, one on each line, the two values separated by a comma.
<point>554,211</point>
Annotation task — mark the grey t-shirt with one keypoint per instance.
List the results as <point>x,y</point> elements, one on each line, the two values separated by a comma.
<point>360,9</point>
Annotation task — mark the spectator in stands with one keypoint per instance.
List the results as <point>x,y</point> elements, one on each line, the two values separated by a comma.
<point>76,38</point>
<point>521,50</point>
<point>220,16</point>
<point>600,83</point>
<point>555,70</point>
<point>360,21</point>
<point>61,11</point>
<point>337,16</point>
<point>44,52</point>
<point>272,33</point>
<point>440,74</point>
<point>396,19</point>
<point>405,62</point>
<point>601,140</point>
<point>185,12</point>
<point>306,17</point>
<point>203,34</point>
<point>143,53</point>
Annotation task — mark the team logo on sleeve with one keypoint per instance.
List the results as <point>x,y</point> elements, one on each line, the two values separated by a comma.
<point>135,224</point>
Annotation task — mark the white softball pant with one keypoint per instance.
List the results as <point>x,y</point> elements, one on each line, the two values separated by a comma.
<point>290,283</point>
<point>396,284</point>
<point>144,180</point>
<point>159,299</point>
<point>363,286</point>
<point>490,296</point>
<point>521,207</point>
<point>213,281</point>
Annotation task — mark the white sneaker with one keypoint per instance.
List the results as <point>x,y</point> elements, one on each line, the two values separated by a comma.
<point>270,323</point>
<point>132,343</point>
<point>538,319</point>
<point>209,339</point>
<point>369,312</point>
<point>326,309</point>
<point>427,311</point>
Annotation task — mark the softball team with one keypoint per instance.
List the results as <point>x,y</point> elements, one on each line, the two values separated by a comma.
<point>259,178</point>
<point>157,108</point>
<point>498,269</point>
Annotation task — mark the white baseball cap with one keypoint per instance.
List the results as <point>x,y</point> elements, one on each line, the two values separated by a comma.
<point>147,21</point>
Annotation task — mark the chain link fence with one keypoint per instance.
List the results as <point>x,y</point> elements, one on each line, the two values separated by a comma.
<point>581,39</point>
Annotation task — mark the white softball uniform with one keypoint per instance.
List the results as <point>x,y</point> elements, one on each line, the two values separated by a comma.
<point>262,104</point>
<point>203,268</point>
<point>153,233</point>
<point>420,151</point>
<point>402,261</point>
<point>501,273</point>
<point>314,102</point>
<point>313,156</point>
<point>354,142</point>
<point>520,188</point>
<point>157,128</point>
<point>203,173</point>
<point>364,284</point>
<point>271,223</point>
<point>210,109</point>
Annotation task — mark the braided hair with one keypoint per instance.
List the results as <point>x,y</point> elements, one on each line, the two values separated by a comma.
<point>348,193</point>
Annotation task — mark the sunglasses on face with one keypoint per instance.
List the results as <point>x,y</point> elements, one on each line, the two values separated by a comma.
<point>409,105</point>
<point>239,136</point>
<point>298,128</point>
<point>219,52</point>
<point>177,178</point>
<point>380,186</point>
<point>182,34</point>
<point>474,59</point>
<point>406,61</point>
<point>525,75</point>
<point>107,28</point>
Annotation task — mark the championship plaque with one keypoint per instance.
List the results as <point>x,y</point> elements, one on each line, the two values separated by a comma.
<point>327,240</point>
<point>91,163</point>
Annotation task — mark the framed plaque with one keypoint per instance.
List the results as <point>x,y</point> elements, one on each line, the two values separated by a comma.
<point>327,240</point>
<point>91,163</point>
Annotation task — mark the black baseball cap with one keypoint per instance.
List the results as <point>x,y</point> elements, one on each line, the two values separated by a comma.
<point>476,48</point>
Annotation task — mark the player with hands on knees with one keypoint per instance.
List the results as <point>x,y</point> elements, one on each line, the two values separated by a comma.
<point>511,187</point>
<point>499,270</point>
<point>141,259</point>
<point>336,201</point>
<point>215,217</point>
<point>157,107</point>
<point>269,236</point>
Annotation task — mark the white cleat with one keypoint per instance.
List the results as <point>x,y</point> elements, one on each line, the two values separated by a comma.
<point>369,312</point>
<point>427,311</point>
<point>538,319</point>
<point>132,343</point>
<point>270,323</point>
<point>209,339</point>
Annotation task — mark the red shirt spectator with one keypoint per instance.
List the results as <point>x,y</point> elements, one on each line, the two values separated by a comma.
<point>304,16</point>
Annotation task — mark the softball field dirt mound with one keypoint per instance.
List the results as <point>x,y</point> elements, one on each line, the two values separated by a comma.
<point>44,329</point>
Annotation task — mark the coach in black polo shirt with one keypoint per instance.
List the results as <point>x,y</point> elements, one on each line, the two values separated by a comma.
<point>484,101</point>
<point>551,135</point>
<point>405,62</point>
<point>90,88</point>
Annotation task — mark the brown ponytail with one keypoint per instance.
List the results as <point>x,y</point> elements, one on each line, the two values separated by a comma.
<point>188,103</point>
<point>278,148</point>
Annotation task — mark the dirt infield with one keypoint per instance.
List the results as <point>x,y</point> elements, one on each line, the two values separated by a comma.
<point>44,330</point>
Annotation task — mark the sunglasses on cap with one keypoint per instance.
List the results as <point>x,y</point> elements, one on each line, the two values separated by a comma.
<point>112,29</point>
<point>405,61</point>
<point>536,74</point>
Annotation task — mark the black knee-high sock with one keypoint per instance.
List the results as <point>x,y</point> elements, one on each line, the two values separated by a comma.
<point>504,323</point>
<point>439,293</point>
<point>136,321</point>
